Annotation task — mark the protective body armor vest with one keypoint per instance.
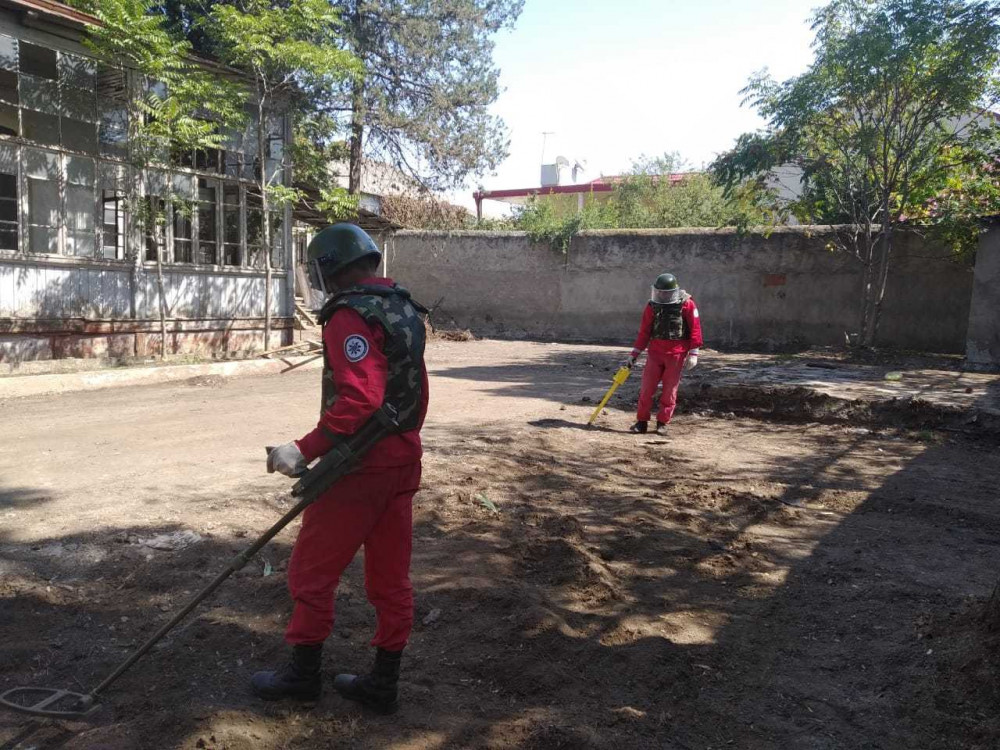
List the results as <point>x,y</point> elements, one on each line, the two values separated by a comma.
<point>668,323</point>
<point>405,338</point>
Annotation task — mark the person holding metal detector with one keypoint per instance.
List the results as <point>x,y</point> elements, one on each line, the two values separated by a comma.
<point>373,349</point>
<point>358,492</point>
<point>671,328</point>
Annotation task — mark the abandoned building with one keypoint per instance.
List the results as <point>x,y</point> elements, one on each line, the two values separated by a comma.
<point>77,278</point>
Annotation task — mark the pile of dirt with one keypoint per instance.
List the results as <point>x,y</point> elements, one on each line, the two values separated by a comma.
<point>458,334</point>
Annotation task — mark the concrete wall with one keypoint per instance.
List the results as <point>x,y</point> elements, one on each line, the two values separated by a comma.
<point>784,290</point>
<point>984,318</point>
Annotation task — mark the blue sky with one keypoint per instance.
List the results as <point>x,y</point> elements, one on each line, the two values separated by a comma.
<point>615,80</point>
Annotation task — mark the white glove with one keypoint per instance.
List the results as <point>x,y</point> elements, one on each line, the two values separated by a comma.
<point>692,360</point>
<point>632,359</point>
<point>286,459</point>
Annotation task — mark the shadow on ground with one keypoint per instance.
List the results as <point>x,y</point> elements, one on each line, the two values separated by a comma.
<point>818,597</point>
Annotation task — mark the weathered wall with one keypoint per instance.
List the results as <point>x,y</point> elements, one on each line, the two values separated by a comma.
<point>55,308</point>
<point>984,318</point>
<point>783,290</point>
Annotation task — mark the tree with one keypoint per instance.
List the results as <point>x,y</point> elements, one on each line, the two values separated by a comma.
<point>421,102</point>
<point>421,99</point>
<point>656,193</point>
<point>284,49</point>
<point>168,103</point>
<point>662,192</point>
<point>889,128</point>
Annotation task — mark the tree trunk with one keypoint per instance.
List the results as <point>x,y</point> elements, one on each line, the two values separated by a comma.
<point>266,228</point>
<point>882,281</point>
<point>163,301</point>
<point>875,292</point>
<point>357,136</point>
<point>866,287</point>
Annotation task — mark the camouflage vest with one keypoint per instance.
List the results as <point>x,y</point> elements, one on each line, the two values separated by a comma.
<point>399,316</point>
<point>668,323</point>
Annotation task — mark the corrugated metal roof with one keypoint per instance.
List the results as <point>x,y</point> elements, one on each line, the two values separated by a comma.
<point>53,11</point>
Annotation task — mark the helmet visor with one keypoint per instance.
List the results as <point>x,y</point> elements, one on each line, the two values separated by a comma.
<point>665,296</point>
<point>318,291</point>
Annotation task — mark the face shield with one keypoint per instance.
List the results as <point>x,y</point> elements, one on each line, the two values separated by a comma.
<point>319,290</point>
<point>665,296</point>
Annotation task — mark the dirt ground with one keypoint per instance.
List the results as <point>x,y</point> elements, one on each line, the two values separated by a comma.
<point>735,583</point>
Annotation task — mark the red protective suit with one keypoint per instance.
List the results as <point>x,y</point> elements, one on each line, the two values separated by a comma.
<point>370,507</point>
<point>665,361</point>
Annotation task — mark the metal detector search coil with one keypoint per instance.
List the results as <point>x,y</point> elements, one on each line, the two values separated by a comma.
<point>55,703</point>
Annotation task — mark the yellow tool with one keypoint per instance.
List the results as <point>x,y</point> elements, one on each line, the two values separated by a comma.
<point>620,377</point>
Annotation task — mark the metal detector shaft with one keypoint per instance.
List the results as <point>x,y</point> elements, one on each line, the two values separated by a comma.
<point>235,564</point>
<point>335,464</point>
<point>619,379</point>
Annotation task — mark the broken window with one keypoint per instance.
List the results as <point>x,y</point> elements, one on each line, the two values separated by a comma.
<point>40,127</point>
<point>113,126</point>
<point>183,250</point>
<point>41,169</point>
<point>208,233</point>
<point>152,210</point>
<point>81,235</point>
<point>56,94</point>
<point>232,154</point>
<point>8,53</point>
<point>152,216</point>
<point>8,87</point>
<point>77,84</point>
<point>8,198</point>
<point>79,136</point>
<point>8,120</point>
<point>40,94</point>
<point>112,212</point>
<point>183,189</point>
<point>208,159</point>
<point>78,72</point>
<point>39,61</point>
<point>255,231</point>
<point>277,239</point>
<point>112,225</point>
<point>232,249</point>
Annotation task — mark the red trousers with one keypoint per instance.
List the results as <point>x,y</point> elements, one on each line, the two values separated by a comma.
<point>372,507</point>
<point>665,370</point>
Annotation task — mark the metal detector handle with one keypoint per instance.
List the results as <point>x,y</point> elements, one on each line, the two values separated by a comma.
<point>344,455</point>
<point>313,483</point>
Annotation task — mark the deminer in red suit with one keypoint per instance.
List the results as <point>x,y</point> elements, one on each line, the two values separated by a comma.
<point>671,328</point>
<point>373,349</point>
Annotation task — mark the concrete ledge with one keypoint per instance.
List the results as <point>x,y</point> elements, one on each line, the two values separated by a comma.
<point>41,385</point>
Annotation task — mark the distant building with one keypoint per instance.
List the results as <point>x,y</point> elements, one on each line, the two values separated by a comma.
<point>76,276</point>
<point>567,199</point>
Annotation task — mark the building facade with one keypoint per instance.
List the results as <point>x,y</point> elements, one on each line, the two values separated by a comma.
<point>77,274</point>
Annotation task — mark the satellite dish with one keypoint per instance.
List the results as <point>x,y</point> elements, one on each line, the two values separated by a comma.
<point>562,161</point>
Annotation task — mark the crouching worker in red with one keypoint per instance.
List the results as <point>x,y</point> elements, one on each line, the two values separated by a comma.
<point>373,348</point>
<point>671,328</point>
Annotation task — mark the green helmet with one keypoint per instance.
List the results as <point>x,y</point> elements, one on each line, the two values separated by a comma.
<point>666,281</point>
<point>339,245</point>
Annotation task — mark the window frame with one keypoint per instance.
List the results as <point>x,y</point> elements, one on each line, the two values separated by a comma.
<point>72,85</point>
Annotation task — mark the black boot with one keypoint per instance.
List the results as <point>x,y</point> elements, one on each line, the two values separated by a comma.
<point>377,690</point>
<point>639,428</point>
<point>299,679</point>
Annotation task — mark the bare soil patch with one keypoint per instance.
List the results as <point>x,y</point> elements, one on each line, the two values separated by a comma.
<point>734,583</point>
